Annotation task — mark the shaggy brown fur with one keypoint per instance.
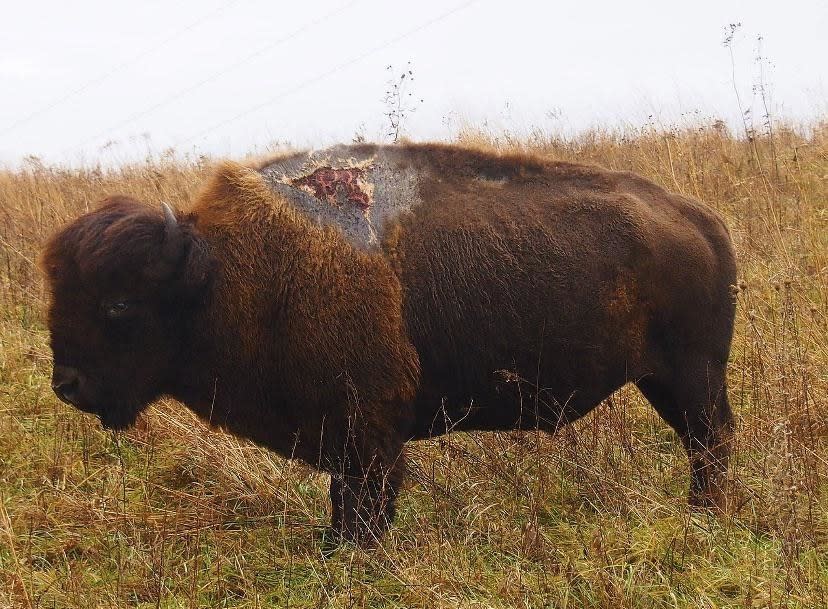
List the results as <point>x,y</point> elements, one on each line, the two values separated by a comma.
<point>512,276</point>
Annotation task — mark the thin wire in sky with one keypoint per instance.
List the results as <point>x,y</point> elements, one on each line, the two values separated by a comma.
<point>306,83</point>
<point>227,69</point>
<point>115,69</point>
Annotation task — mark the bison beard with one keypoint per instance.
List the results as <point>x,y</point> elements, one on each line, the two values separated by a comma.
<point>293,333</point>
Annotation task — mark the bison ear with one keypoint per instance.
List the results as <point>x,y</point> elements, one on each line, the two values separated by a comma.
<point>196,267</point>
<point>172,248</point>
<point>183,259</point>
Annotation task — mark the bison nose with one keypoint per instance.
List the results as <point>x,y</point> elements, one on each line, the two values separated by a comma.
<point>65,383</point>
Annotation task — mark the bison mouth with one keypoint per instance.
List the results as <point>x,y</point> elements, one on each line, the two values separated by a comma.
<point>116,417</point>
<point>117,409</point>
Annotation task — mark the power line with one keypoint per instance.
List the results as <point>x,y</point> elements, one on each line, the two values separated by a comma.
<point>260,51</point>
<point>334,70</point>
<point>115,69</point>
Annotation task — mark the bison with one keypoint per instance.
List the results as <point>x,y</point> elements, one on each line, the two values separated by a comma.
<point>333,305</point>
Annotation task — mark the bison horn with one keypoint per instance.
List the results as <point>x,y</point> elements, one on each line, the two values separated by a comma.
<point>169,216</point>
<point>173,243</point>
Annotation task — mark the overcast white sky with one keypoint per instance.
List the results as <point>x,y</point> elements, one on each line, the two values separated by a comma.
<point>229,77</point>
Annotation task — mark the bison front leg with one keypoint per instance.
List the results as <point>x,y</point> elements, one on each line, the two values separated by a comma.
<point>363,496</point>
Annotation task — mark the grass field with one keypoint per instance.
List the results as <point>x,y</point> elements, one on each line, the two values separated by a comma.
<point>171,514</point>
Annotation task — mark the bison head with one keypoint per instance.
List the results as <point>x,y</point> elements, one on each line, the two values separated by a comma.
<point>125,282</point>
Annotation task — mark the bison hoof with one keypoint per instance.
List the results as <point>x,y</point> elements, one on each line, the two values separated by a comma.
<point>714,502</point>
<point>334,539</point>
<point>331,541</point>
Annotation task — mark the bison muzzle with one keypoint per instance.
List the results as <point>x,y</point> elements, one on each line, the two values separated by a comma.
<point>333,305</point>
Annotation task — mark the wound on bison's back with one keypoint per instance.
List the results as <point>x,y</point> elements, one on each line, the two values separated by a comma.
<point>331,185</point>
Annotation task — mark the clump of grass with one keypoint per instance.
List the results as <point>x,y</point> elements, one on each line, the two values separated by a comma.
<point>173,514</point>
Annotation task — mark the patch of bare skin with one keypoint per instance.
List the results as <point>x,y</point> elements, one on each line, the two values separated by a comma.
<point>337,187</point>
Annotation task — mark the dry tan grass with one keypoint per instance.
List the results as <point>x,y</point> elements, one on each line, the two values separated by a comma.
<point>172,514</point>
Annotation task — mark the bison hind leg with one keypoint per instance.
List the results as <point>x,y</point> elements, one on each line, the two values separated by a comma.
<point>693,401</point>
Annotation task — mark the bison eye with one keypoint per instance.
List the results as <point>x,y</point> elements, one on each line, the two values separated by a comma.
<point>116,309</point>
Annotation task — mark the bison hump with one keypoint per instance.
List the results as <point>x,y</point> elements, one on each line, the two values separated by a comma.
<point>357,189</point>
